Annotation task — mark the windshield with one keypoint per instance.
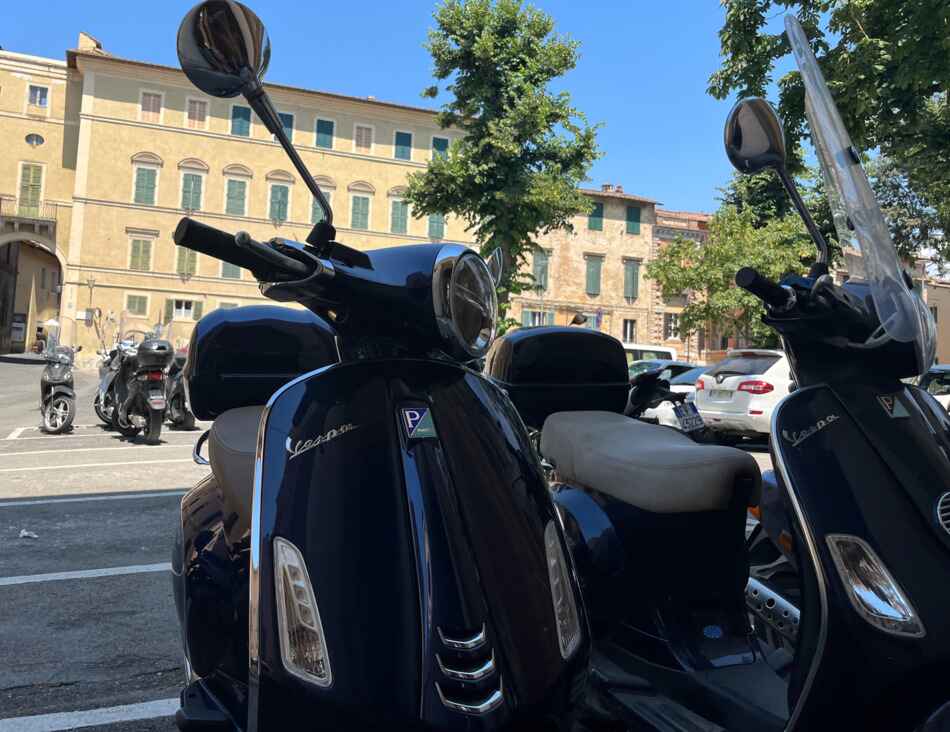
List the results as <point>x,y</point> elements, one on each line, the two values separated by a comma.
<point>744,365</point>
<point>688,378</point>
<point>858,218</point>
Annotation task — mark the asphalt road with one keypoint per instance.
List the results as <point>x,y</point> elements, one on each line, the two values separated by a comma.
<point>87,621</point>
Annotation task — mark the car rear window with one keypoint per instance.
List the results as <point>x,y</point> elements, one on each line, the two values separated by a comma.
<point>936,382</point>
<point>689,377</point>
<point>744,365</point>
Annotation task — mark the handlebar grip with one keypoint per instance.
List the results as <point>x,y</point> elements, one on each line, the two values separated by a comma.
<point>208,240</point>
<point>769,292</point>
<point>270,257</point>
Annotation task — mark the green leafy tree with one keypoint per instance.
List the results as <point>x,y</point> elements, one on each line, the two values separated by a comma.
<point>516,171</point>
<point>887,63</point>
<point>708,269</point>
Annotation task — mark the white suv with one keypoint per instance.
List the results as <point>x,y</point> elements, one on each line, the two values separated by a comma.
<point>737,395</point>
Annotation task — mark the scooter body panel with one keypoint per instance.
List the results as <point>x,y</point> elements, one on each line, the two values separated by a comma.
<point>881,488</point>
<point>412,493</point>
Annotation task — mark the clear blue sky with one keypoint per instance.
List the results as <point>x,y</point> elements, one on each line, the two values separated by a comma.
<point>642,73</point>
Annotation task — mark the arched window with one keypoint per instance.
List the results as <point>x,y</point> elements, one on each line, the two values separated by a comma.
<point>237,179</point>
<point>145,169</point>
<point>328,187</point>
<point>279,186</point>
<point>361,196</point>
<point>361,186</point>
<point>238,170</point>
<point>398,210</point>
<point>193,173</point>
<point>193,164</point>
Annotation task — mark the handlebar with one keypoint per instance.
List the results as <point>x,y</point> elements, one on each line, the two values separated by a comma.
<point>240,250</point>
<point>772,293</point>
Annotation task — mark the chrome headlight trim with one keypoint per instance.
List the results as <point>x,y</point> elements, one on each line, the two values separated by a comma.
<point>443,286</point>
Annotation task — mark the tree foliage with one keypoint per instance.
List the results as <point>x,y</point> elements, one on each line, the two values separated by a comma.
<point>707,270</point>
<point>887,63</point>
<point>525,150</point>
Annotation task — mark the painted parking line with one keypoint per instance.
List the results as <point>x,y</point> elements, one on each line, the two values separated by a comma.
<point>79,499</point>
<point>71,450</point>
<point>91,717</point>
<point>94,465</point>
<point>29,579</point>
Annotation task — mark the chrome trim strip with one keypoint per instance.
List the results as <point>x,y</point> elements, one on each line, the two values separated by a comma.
<point>196,453</point>
<point>465,644</point>
<point>812,547</point>
<point>475,674</point>
<point>489,704</point>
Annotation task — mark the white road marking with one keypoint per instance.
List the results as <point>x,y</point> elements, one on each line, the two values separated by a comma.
<point>29,579</point>
<point>113,435</point>
<point>71,450</point>
<point>92,465</point>
<point>91,717</point>
<point>119,497</point>
<point>17,432</point>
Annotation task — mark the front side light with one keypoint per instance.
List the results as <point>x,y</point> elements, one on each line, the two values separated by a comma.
<point>303,647</point>
<point>874,593</point>
<point>562,594</point>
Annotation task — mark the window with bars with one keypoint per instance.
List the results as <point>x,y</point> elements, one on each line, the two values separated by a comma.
<point>595,264</point>
<point>287,123</point>
<point>38,96</point>
<point>436,226</point>
<point>629,331</point>
<point>230,271</point>
<point>633,219</point>
<point>145,185</point>
<point>31,189</point>
<point>671,326</point>
<point>197,114</point>
<point>136,304</point>
<point>540,269</point>
<point>151,107</point>
<point>236,197</point>
<point>359,212</point>
<point>534,318</point>
<point>279,202</point>
<point>187,261</point>
<point>191,184</point>
<point>631,279</point>
<point>141,258</point>
<point>316,210</point>
<point>403,146</point>
<point>241,121</point>
<point>595,221</point>
<point>440,147</point>
<point>324,133</point>
<point>399,216</point>
<point>363,138</point>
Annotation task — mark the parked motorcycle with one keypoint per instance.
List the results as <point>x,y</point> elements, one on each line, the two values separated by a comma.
<point>57,393</point>
<point>139,386</point>
<point>104,401</point>
<point>375,547</point>
<point>178,413</point>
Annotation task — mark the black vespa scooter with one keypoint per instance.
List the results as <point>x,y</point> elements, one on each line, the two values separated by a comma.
<point>57,392</point>
<point>139,388</point>
<point>375,547</point>
<point>863,465</point>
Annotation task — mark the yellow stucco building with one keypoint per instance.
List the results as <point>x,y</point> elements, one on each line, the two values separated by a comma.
<point>103,156</point>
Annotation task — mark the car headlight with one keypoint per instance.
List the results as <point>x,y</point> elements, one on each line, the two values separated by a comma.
<point>464,300</point>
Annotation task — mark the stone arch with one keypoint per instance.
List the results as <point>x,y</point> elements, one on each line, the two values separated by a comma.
<point>325,182</point>
<point>397,191</point>
<point>147,158</point>
<point>361,186</point>
<point>193,164</point>
<point>49,246</point>
<point>237,169</point>
<point>281,176</point>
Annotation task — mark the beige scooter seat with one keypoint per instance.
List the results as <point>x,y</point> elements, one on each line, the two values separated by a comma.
<point>231,449</point>
<point>648,466</point>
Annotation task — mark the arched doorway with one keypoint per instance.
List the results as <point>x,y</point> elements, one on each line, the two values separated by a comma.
<point>31,288</point>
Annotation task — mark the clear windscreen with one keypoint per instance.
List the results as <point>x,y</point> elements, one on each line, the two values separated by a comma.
<point>904,316</point>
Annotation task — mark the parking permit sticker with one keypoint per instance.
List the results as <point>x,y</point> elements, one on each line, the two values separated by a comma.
<point>419,424</point>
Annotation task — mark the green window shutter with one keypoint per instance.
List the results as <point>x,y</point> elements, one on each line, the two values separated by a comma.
<point>403,146</point>
<point>145,185</point>
<point>436,226</point>
<point>325,134</point>
<point>316,211</point>
<point>31,185</point>
<point>141,255</point>
<point>196,310</point>
<point>191,192</point>
<point>230,271</point>
<point>540,269</point>
<point>236,198</point>
<point>549,318</point>
<point>241,121</point>
<point>526,318</point>
<point>359,217</point>
<point>595,222</point>
<point>287,122</point>
<point>169,310</point>
<point>631,279</point>
<point>278,202</point>
<point>187,261</point>
<point>633,219</point>
<point>593,274</point>
<point>440,147</point>
<point>399,218</point>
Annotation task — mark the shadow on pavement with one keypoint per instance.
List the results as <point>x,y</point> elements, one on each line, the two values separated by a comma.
<point>23,358</point>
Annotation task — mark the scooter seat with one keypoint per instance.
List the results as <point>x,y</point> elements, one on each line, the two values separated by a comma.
<point>231,448</point>
<point>651,467</point>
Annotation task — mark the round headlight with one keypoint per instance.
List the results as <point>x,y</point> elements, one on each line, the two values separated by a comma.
<point>465,301</point>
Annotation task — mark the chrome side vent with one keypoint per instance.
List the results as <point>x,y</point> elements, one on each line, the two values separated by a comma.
<point>470,681</point>
<point>943,512</point>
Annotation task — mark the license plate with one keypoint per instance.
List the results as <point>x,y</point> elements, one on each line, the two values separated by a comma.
<point>689,417</point>
<point>720,395</point>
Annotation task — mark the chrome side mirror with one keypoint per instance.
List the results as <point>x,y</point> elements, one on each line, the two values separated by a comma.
<point>223,48</point>
<point>754,137</point>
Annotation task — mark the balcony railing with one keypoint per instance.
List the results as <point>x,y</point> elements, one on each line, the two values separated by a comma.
<point>27,209</point>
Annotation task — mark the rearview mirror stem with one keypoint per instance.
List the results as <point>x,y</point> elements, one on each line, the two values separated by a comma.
<point>821,265</point>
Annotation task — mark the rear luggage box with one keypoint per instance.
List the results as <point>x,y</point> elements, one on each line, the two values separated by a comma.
<point>154,354</point>
<point>557,369</point>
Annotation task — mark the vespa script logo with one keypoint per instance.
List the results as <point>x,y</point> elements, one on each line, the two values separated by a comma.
<point>303,446</point>
<point>797,438</point>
